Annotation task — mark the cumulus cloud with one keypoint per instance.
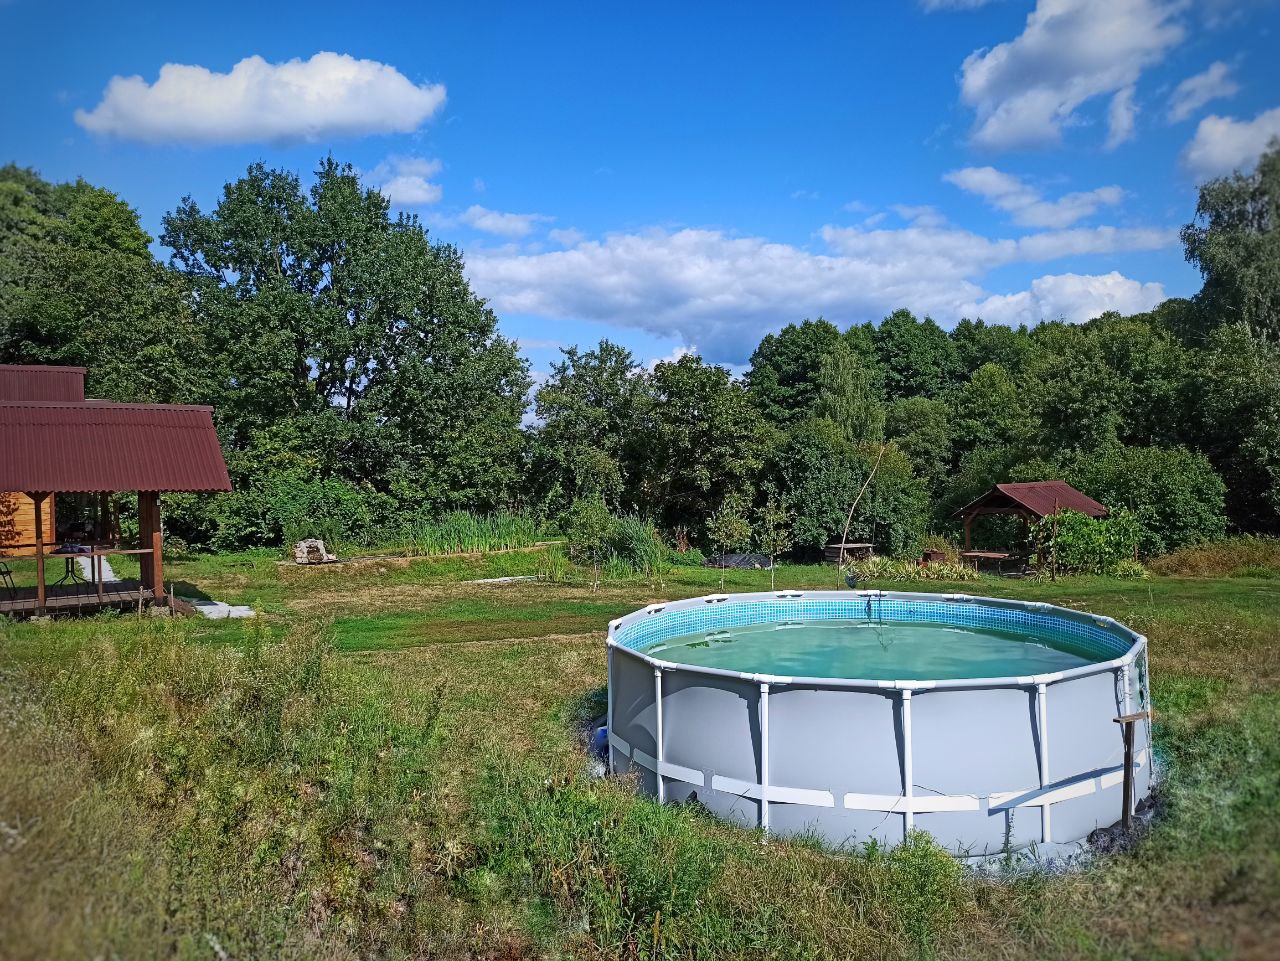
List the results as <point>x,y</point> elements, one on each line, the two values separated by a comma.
<point>328,96</point>
<point>1027,205</point>
<point>1224,144</point>
<point>724,292</point>
<point>502,224</point>
<point>566,237</point>
<point>1071,297</point>
<point>404,181</point>
<point>1194,92</point>
<point>1027,89</point>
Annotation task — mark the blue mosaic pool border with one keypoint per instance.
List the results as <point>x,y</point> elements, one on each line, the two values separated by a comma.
<point>1097,642</point>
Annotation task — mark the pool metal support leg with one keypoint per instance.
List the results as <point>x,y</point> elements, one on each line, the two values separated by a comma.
<point>764,757</point>
<point>1042,725</point>
<point>608,716</point>
<point>658,752</point>
<point>908,774</point>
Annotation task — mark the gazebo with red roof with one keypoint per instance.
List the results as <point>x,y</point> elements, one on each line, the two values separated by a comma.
<point>54,440</point>
<point>1032,502</point>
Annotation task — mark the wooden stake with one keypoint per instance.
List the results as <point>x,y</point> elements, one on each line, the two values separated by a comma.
<point>1128,721</point>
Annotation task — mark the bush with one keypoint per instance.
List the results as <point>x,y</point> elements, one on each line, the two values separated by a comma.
<point>1231,557</point>
<point>1077,543</point>
<point>887,569</point>
<point>1175,496</point>
<point>287,507</point>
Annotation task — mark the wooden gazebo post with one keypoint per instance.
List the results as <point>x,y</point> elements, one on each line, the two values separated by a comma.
<point>152,565</point>
<point>37,499</point>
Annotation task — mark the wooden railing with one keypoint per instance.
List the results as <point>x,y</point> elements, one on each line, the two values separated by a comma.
<point>94,554</point>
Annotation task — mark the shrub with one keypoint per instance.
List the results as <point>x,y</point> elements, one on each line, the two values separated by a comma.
<point>887,569</point>
<point>1077,543</point>
<point>1175,496</point>
<point>1230,557</point>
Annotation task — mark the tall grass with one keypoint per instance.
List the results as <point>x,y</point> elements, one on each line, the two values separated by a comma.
<point>634,546</point>
<point>643,880</point>
<point>1232,557</point>
<point>282,797</point>
<point>461,532</point>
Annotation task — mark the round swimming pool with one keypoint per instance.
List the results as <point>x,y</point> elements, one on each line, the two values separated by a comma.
<point>861,715</point>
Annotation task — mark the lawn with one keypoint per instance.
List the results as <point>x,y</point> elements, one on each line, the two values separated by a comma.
<point>387,764</point>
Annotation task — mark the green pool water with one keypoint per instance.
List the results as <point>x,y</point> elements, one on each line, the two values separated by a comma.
<point>881,651</point>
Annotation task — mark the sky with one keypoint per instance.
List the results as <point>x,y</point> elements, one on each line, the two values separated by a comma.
<point>688,177</point>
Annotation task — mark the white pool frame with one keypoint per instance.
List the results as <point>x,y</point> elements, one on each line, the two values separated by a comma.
<point>852,760</point>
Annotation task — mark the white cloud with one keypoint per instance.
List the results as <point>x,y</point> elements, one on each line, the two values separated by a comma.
<point>1224,144</point>
<point>478,185</point>
<point>1027,205</point>
<point>331,95</point>
<point>1027,89</point>
<point>1120,117</point>
<point>1194,92</point>
<point>919,216</point>
<point>675,354</point>
<point>404,181</point>
<point>566,237</point>
<point>503,224</point>
<point>1070,297</point>
<point>724,292</point>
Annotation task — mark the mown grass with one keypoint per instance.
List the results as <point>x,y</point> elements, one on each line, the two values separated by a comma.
<point>388,765</point>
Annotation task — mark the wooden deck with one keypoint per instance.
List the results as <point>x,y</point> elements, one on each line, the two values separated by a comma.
<point>74,597</point>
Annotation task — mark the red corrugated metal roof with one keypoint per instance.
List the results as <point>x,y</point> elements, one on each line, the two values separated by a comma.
<point>1040,498</point>
<point>102,446</point>
<point>32,382</point>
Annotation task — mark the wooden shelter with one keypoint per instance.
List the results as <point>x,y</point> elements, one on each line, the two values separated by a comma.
<point>55,441</point>
<point>1031,502</point>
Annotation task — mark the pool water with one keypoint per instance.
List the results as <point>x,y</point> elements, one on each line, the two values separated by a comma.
<point>871,650</point>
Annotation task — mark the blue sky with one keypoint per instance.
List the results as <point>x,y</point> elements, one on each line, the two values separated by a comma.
<point>679,176</point>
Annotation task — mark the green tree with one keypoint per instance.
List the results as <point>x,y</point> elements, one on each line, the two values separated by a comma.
<point>588,527</point>
<point>587,410</point>
<point>850,396</point>
<point>700,438</point>
<point>979,343</point>
<point>820,475</point>
<point>729,528</point>
<point>1234,241</point>
<point>923,428</point>
<point>1238,415</point>
<point>325,312</point>
<point>783,376</point>
<point>78,286</point>
<point>917,356</point>
<point>990,410</point>
<point>774,532</point>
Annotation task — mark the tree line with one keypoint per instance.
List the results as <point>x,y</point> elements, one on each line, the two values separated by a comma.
<point>361,386</point>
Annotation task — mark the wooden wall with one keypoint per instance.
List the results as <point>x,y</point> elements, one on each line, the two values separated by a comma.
<point>18,523</point>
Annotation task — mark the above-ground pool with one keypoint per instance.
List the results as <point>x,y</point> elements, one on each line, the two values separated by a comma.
<point>861,715</point>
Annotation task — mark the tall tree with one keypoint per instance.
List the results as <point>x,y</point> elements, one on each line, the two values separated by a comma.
<point>850,396</point>
<point>783,377</point>
<point>702,439</point>
<point>351,338</point>
<point>1234,241</point>
<point>917,355</point>
<point>1239,420</point>
<point>923,428</point>
<point>78,286</point>
<point>587,409</point>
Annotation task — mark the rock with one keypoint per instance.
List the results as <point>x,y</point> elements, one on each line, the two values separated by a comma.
<point>312,551</point>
